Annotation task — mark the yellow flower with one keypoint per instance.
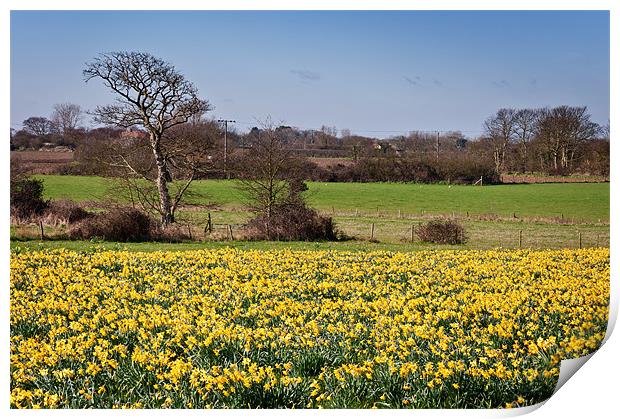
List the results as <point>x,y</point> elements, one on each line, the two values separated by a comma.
<point>183,317</point>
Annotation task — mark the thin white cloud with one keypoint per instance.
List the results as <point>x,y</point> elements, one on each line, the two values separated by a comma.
<point>307,75</point>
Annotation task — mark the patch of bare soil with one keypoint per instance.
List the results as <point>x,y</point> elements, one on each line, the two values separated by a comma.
<point>43,162</point>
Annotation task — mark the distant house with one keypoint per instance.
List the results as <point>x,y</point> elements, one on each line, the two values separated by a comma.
<point>133,134</point>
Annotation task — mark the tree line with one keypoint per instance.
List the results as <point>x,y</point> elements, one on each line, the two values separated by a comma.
<point>553,141</point>
<point>62,128</point>
<point>561,140</point>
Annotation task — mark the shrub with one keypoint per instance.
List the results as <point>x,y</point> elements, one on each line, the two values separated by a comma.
<point>65,211</point>
<point>27,197</point>
<point>374,169</point>
<point>117,224</point>
<point>292,221</point>
<point>442,231</point>
<point>467,169</point>
<point>174,233</point>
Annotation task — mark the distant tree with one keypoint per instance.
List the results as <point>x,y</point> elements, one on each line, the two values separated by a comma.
<point>500,130</point>
<point>327,136</point>
<point>152,94</point>
<point>264,173</point>
<point>66,118</point>
<point>37,125</point>
<point>526,124</point>
<point>24,140</point>
<point>331,131</point>
<point>95,156</point>
<point>595,158</point>
<point>562,132</point>
<point>605,131</point>
<point>461,143</point>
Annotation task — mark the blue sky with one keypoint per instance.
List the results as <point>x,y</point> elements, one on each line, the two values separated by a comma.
<point>375,73</point>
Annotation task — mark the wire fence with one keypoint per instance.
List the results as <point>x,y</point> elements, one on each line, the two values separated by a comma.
<point>391,231</point>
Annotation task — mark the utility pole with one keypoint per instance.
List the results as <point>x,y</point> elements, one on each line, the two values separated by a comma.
<point>225,122</point>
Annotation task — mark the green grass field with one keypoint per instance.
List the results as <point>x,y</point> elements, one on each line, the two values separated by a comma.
<point>546,216</point>
<point>581,201</point>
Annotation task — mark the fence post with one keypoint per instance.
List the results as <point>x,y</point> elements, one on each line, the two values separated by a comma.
<point>520,238</point>
<point>230,232</point>
<point>41,227</point>
<point>580,239</point>
<point>412,232</point>
<point>189,229</point>
<point>399,213</point>
<point>356,212</point>
<point>372,231</point>
<point>209,224</point>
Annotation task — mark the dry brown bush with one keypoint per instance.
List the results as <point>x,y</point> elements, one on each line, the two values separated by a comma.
<point>442,231</point>
<point>292,222</point>
<point>118,224</point>
<point>174,233</point>
<point>64,211</point>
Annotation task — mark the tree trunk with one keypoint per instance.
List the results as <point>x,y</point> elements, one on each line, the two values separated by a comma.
<point>566,159</point>
<point>163,176</point>
<point>523,157</point>
<point>497,157</point>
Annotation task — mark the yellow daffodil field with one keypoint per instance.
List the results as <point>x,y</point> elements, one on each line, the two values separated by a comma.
<point>300,329</point>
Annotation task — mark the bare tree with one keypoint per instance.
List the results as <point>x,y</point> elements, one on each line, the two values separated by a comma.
<point>151,94</point>
<point>605,131</point>
<point>272,178</point>
<point>500,129</point>
<point>66,117</point>
<point>37,125</point>
<point>191,150</point>
<point>327,136</point>
<point>526,125</point>
<point>264,170</point>
<point>563,131</point>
